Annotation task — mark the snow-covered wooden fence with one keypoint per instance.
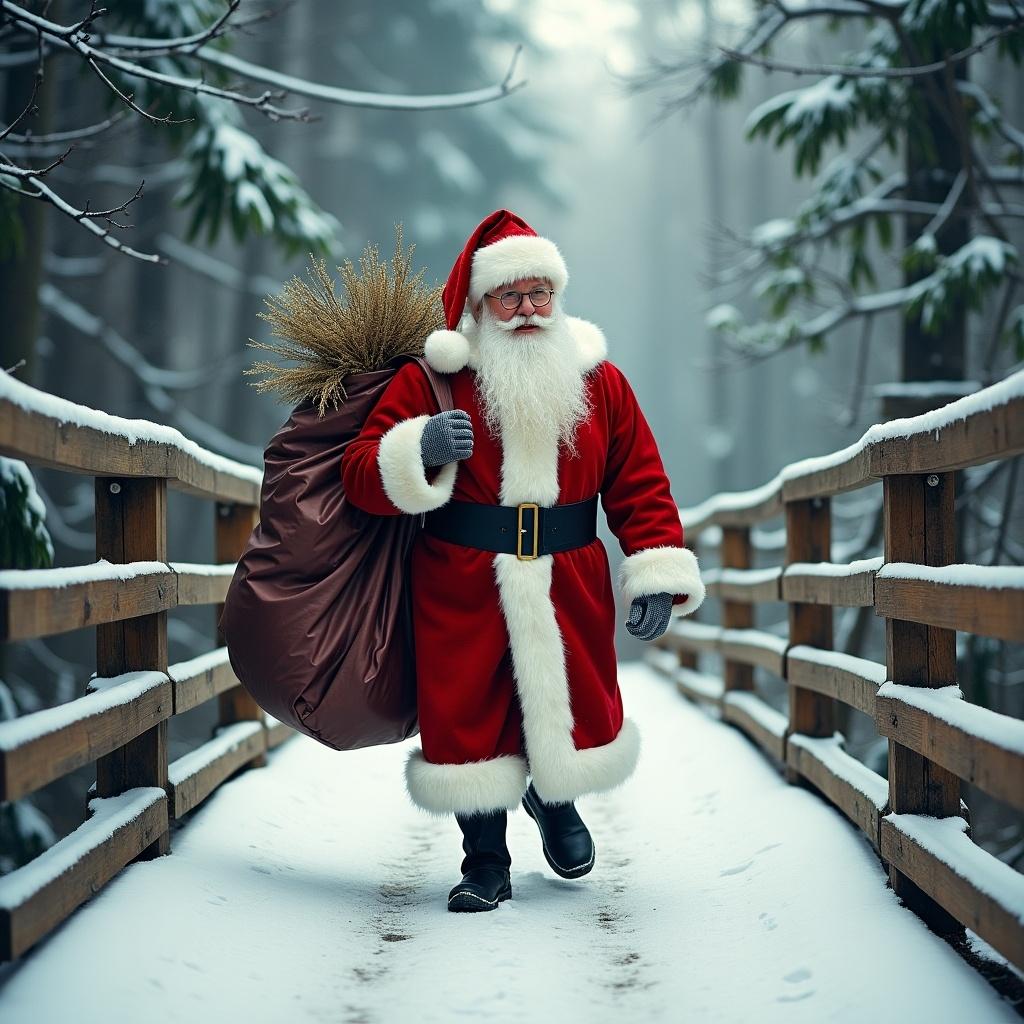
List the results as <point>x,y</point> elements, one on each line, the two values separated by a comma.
<point>915,819</point>
<point>121,722</point>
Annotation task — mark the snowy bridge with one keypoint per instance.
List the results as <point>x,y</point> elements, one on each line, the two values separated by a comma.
<point>727,886</point>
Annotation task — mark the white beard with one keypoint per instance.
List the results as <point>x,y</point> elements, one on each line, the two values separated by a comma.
<point>530,383</point>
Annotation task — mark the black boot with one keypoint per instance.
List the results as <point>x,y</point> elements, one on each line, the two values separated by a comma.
<point>485,868</point>
<point>568,846</point>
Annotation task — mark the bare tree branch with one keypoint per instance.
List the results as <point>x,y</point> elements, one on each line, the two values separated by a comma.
<point>354,98</point>
<point>165,47</point>
<point>131,102</point>
<point>68,38</point>
<point>159,386</point>
<point>62,37</point>
<point>127,355</point>
<point>849,417</point>
<point>1012,135</point>
<point>30,107</point>
<point>83,217</point>
<point>59,138</point>
<point>850,71</point>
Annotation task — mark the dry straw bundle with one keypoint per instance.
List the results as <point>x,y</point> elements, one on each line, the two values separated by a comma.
<point>386,314</point>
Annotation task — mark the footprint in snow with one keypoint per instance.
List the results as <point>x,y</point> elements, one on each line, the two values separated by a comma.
<point>794,978</point>
<point>795,998</point>
<point>738,869</point>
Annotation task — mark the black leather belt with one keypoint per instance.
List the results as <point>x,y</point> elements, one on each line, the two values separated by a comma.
<point>526,530</point>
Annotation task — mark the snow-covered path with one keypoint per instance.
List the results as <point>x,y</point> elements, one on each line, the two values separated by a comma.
<point>312,890</point>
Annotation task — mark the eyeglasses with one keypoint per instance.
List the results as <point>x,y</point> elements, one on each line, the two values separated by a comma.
<point>511,299</point>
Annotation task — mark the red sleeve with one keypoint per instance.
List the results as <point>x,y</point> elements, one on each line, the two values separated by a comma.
<point>638,503</point>
<point>382,468</point>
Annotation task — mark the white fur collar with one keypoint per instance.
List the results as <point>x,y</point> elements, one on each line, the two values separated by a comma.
<point>450,351</point>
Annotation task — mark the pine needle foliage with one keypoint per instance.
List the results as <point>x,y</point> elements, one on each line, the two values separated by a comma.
<point>386,312</point>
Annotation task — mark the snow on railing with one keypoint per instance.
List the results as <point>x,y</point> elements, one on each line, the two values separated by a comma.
<point>48,430</point>
<point>121,724</point>
<point>816,476</point>
<point>935,738</point>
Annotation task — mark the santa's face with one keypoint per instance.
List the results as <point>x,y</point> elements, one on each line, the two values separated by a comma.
<point>529,381</point>
<point>525,312</point>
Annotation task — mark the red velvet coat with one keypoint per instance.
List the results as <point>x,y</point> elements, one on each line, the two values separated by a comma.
<point>515,659</point>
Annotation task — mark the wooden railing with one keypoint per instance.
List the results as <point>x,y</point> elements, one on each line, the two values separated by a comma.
<point>121,723</point>
<point>915,819</point>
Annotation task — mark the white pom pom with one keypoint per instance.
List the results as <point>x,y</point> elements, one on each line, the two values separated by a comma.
<point>446,351</point>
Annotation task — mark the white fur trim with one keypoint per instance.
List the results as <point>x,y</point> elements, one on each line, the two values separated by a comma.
<point>451,351</point>
<point>673,570</point>
<point>595,769</point>
<point>490,785</point>
<point>560,771</point>
<point>513,257</point>
<point>446,351</point>
<point>400,460</point>
<point>591,345</point>
<point>529,472</point>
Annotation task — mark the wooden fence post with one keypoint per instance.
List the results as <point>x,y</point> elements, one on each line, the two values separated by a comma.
<point>233,525</point>
<point>920,528</point>
<point>131,526</point>
<point>809,539</point>
<point>736,554</point>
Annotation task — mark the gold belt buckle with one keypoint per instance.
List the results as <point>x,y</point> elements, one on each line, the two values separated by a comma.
<point>520,530</point>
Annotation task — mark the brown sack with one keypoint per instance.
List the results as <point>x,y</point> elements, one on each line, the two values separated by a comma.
<point>317,618</point>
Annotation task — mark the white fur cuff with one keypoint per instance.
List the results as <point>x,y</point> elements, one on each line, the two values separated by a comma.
<point>490,785</point>
<point>670,569</point>
<point>591,770</point>
<point>403,474</point>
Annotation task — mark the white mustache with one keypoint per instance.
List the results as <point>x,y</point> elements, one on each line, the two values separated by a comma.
<point>521,320</point>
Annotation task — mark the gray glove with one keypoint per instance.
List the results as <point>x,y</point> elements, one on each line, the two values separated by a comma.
<point>649,615</point>
<point>447,437</point>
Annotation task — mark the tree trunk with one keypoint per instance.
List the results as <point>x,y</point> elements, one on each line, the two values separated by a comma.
<point>932,165</point>
<point>21,267</point>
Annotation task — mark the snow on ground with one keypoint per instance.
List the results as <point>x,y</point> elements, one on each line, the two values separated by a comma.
<point>312,890</point>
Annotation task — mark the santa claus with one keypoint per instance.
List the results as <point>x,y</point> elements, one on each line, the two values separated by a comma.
<point>513,604</point>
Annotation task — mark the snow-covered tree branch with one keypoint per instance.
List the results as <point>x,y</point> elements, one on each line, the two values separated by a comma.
<point>908,85</point>
<point>164,65</point>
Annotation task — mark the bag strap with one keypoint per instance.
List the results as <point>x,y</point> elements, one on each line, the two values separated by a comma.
<point>439,383</point>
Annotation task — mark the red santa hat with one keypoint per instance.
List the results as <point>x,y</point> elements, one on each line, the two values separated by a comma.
<point>501,249</point>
